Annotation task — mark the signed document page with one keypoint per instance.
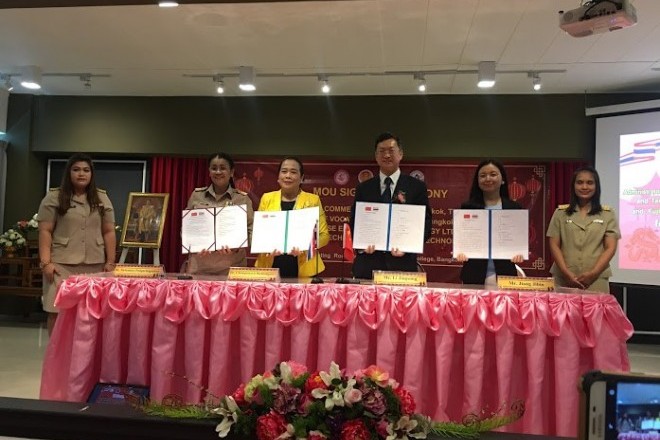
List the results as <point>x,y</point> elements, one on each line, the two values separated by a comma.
<point>407,228</point>
<point>470,233</point>
<point>509,233</point>
<point>371,223</point>
<point>389,226</point>
<point>283,230</point>
<point>211,228</point>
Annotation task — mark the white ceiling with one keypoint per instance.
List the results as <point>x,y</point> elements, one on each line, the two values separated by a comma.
<point>147,50</point>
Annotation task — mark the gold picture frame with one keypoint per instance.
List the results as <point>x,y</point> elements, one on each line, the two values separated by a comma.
<point>144,220</point>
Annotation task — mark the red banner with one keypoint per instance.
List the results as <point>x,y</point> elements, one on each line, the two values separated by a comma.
<point>448,186</point>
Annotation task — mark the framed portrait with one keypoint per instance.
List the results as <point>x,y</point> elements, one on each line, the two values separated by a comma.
<point>144,220</point>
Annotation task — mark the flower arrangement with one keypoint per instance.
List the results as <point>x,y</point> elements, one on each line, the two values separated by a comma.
<point>24,226</point>
<point>289,402</point>
<point>11,240</point>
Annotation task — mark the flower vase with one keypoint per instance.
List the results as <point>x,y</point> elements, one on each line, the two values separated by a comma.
<point>10,252</point>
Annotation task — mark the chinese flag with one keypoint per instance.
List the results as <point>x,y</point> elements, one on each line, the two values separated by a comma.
<point>349,254</point>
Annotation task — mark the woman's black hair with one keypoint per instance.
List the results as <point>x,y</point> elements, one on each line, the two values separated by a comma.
<point>229,160</point>
<point>66,186</point>
<point>476,194</point>
<point>573,203</point>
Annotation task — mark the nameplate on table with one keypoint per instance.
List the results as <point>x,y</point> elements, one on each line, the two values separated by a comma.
<point>539,284</point>
<point>399,278</point>
<point>138,271</point>
<point>254,274</point>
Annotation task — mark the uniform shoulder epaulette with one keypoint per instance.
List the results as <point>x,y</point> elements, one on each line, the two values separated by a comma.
<point>201,188</point>
<point>563,207</point>
<point>243,193</point>
<point>606,208</point>
<point>102,191</point>
<point>54,189</point>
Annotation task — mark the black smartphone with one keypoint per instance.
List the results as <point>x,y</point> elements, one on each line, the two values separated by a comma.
<point>619,406</point>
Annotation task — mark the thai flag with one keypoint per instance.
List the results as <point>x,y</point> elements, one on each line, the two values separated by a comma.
<point>313,244</point>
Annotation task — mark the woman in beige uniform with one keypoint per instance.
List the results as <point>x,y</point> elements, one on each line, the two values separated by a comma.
<point>220,192</point>
<point>76,230</point>
<point>583,236</point>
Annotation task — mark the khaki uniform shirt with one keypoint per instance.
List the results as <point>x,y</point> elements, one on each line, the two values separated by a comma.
<point>582,238</point>
<point>78,234</point>
<point>217,263</point>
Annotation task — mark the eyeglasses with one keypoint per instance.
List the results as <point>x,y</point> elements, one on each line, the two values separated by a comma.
<point>386,151</point>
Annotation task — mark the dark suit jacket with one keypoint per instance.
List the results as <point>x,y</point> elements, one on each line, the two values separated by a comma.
<point>474,269</point>
<point>369,191</point>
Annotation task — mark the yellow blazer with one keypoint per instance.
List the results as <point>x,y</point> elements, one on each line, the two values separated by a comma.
<point>272,201</point>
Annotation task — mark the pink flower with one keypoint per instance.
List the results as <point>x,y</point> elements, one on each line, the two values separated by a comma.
<point>352,396</point>
<point>375,373</point>
<point>270,426</point>
<point>296,368</point>
<point>400,197</point>
<point>407,400</point>
<point>355,430</point>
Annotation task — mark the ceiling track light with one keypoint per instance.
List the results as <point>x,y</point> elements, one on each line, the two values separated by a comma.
<point>31,77</point>
<point>325,85</point>
<point>486,74</point>
<point>536,80</point>
<point>168,4</point>
<point>86,79</point>
<point>7,81</point>
<point>421,81</point>
<point>246,77</point>
<point>219,84</point>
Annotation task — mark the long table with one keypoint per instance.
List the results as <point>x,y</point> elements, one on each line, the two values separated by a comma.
<point>458,351</point>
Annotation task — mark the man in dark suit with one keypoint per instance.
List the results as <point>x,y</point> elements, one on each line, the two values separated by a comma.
<point>390,186</point>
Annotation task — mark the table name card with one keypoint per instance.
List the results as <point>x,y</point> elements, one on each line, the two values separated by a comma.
<point>400,278</point>
<point>254,274</point>
<point>138,271</point>
<point>539,284</point>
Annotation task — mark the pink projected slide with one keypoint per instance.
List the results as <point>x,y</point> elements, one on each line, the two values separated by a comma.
<point>639,201</point>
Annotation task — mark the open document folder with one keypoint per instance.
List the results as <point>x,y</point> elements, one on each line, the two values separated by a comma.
<point>283,230</point>
<point>498,234</point>
<point>212,228</point>
<point>389,226</point>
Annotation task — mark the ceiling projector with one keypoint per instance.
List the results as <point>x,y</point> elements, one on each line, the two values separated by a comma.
<point>598,16</point>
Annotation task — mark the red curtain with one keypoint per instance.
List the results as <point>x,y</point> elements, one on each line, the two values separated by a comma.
<point>178,177</point>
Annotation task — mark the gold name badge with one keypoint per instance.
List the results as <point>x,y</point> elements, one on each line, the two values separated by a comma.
<point>538,284</point>
<point>271,274</point>
<point>138,271</point>
<point>400,278</point>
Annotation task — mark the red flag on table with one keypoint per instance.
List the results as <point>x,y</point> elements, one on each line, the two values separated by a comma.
<point>313,245</point>
<point>349,254</point>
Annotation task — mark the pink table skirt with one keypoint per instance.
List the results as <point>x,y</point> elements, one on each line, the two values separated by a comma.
<point>458,351</point>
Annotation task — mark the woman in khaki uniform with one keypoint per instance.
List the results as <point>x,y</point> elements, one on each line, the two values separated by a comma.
<point>76,230</point>
<point>220,193</point>
<point>583,236</point>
